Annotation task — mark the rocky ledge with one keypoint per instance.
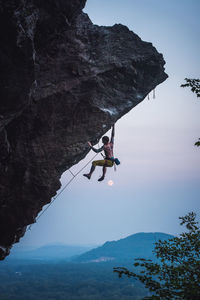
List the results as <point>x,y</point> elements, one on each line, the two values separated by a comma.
<point>63,81</point>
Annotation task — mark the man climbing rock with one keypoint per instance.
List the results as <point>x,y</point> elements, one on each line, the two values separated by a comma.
<point>108,161</point>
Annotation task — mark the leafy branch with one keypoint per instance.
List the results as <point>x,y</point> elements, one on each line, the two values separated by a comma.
<point>194,84</point>
<point>176,274</point>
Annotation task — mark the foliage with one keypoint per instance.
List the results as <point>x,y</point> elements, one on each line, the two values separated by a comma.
<point>197,143</point>
<point>194,84</point>
<point>31,280</point>
<point>176,275</point>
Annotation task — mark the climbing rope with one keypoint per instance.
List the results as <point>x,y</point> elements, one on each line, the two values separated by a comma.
<point>62,190</point>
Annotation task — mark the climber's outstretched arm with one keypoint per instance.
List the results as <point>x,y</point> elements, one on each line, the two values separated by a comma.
<point>112,134</point>
<point>94,149</point>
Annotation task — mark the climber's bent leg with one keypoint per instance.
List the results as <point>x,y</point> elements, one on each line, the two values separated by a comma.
<point>94,164</point>
<point>104,173</point>
<point>91,171</point>
<point>108,163</point>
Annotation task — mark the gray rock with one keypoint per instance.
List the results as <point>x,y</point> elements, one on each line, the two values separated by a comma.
<point>63,81</point>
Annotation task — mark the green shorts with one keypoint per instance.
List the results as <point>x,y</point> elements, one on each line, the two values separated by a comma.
<point>103,162</point>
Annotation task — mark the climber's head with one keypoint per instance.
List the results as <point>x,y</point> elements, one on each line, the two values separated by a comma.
<point>105,140</point>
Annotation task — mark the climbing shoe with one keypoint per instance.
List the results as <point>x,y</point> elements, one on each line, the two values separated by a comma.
<point>101,178</point>
<point>87,175</point>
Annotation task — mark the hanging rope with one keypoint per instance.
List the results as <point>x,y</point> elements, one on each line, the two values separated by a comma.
<point>62,190</point>
<point>154,94</point>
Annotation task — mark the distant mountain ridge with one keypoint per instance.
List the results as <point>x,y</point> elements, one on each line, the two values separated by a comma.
<point>50,252</point>
<point>125,250</point>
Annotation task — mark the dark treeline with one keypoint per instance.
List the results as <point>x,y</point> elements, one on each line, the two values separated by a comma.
<point>25,280</point>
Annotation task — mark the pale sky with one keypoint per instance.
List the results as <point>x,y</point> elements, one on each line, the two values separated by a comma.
<point>158,179</point>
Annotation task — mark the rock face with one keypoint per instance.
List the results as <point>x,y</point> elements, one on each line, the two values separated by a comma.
<point>63,81</point>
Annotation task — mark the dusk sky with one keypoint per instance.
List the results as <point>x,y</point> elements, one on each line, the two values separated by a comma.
<point>159,176</point>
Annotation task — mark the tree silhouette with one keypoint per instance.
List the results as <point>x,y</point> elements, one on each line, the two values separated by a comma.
<point>176,274</point>
<point>194,84</point>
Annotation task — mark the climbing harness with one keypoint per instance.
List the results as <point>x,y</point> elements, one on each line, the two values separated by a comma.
<point>62,190</point>
<point>115,161</point>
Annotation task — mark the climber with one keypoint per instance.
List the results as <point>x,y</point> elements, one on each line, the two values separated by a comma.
<point>108,160</point>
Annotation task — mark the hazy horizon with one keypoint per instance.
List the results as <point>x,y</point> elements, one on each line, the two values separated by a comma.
<point>22,247</point>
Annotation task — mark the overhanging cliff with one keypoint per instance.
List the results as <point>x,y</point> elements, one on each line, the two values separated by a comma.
<point>63,81</point>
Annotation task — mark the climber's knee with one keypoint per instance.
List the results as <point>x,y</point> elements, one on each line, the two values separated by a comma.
<point>98,163</point>
<point>94,163</point>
